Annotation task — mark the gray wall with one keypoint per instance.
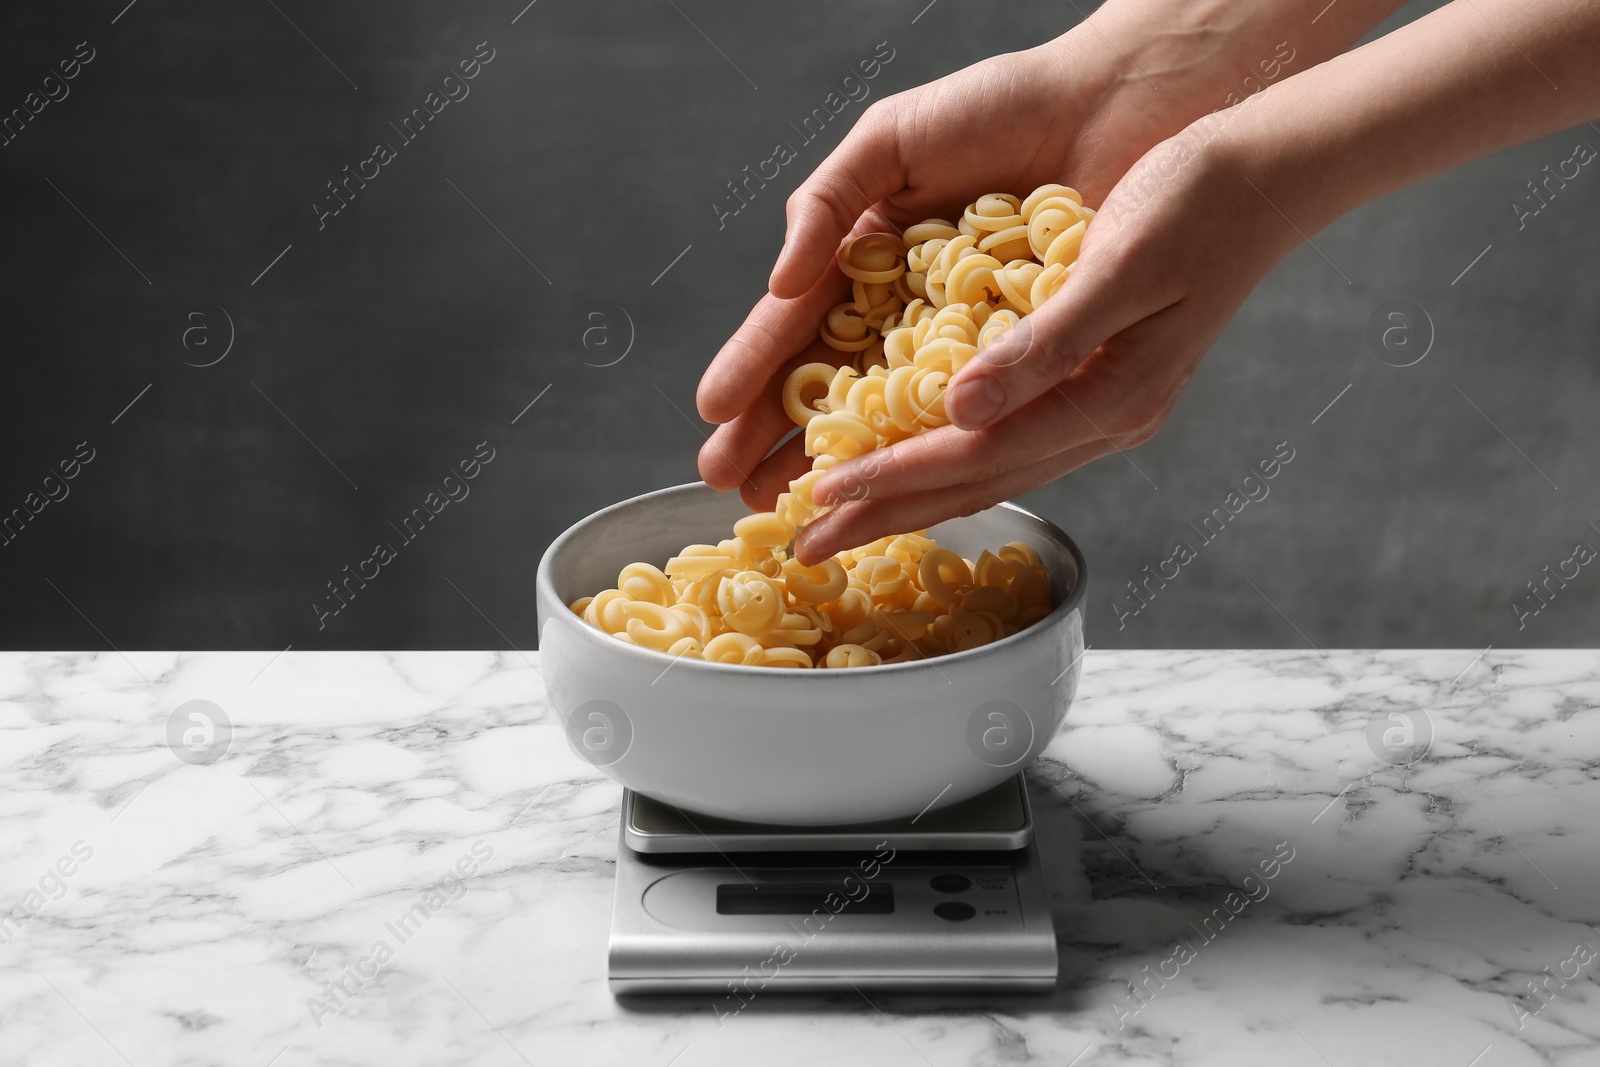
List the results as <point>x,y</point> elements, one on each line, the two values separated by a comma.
<point>382,348</point>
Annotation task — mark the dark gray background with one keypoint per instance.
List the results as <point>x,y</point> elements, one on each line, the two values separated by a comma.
<point>409,330</point>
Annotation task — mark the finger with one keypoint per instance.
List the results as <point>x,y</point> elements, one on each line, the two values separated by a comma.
<point>737,446</point>
<point>731,454</point>
<point>860,522</point>
<point>952,456</point>
<point>773,475</point>
<point>773,332</point>
<point>1098,301</point>
<point>865,169</point>
<point>1105,401</point>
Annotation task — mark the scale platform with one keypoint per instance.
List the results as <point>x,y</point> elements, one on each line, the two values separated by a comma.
<point>951,900</point>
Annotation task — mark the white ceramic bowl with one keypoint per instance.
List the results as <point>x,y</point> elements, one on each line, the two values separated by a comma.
<point>800,747</point>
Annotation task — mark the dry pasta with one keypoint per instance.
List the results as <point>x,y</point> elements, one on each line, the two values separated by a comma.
<point>922,305</point>
<point>898,599</point>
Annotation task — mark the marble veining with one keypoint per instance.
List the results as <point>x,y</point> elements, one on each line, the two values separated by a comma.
<point>397,861</point>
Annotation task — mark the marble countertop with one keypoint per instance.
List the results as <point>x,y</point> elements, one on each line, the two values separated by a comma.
<point>1251,861</point>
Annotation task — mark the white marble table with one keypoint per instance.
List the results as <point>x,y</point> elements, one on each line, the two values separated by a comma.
<point>167,913</point>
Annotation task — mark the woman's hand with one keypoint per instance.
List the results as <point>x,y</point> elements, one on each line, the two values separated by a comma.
<point>1178,244</point>
<point>1012,122</point>
<point>1079,110</point>
<point>1189,231</point>
<point>1174,251</point>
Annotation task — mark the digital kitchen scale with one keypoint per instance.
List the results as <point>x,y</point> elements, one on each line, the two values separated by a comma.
<point>951,900</point>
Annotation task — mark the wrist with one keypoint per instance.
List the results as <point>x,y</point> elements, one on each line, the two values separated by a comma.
<point>1146,69</point>
<point>1086,71</point>
<point>1140,72</point>
<point>1296,163</point>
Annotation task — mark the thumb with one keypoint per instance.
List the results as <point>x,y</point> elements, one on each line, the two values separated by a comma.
<point>1033,356</point>
<point>865,169</point>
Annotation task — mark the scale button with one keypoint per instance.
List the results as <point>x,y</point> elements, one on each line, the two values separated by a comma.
<point>950,883</point>
<point>954,910</point>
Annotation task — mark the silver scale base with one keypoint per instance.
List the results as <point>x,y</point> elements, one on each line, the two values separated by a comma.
<point>953,900</point>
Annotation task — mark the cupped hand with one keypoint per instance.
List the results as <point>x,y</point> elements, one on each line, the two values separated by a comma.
<point>1175,249</point>
<point>1063,112</point>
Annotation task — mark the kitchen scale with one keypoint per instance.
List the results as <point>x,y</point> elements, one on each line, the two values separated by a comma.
<point>951,900</point>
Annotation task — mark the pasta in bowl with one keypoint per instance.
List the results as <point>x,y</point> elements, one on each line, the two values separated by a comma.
<point>775,745</point>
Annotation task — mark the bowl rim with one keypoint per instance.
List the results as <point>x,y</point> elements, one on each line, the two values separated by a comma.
<point>543,584</point>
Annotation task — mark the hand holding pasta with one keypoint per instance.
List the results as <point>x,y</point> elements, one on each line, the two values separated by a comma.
<point>1212,139</point>
<point>924,304</point>
<point>1081,109</point>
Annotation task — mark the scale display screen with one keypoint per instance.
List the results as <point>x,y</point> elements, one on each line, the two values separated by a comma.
<point>794,899</point>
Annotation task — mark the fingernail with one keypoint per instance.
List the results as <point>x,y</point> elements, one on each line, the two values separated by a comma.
<point>777,264</point>
<point>801,548</point>
<point>979,402</point>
